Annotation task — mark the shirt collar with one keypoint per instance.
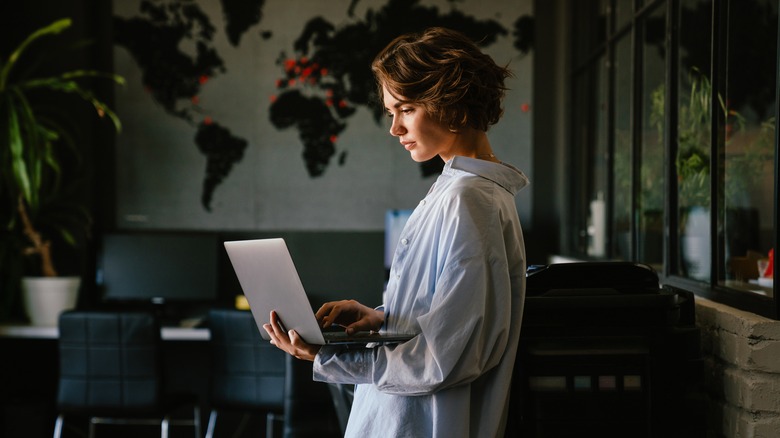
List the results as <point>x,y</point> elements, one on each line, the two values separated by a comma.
<point>503,174</point>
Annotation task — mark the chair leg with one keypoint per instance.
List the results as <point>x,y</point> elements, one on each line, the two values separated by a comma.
<point>91,428</point>
<point>196,420</point>
<point>164,427</point>
<point>270,419</point>
<point>58,426</point>
<point>212,423</point>
<point>274,418</point>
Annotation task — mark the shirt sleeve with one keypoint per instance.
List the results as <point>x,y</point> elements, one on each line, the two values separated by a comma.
<point>463,335</point>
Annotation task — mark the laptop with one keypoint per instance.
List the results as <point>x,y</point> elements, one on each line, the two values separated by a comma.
<point>270,281</point>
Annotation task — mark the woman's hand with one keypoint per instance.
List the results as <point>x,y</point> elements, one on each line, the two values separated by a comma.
<point>350,314</point>
<point>290,341</point>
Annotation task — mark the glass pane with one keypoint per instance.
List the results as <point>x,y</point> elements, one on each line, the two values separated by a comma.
<point>747,160</point>
<point>597,221</point>
<point>588,158</point>
<point>581,139</point>
<point>590,27</point>
<point>693,141</point>
<point>621,218</point>
<point>624,10</point>
<point>651,173</point>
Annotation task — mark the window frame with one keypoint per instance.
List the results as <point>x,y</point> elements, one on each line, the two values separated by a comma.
<point>584,177</point>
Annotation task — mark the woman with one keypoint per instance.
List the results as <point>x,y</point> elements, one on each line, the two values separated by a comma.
<point>458,274</point>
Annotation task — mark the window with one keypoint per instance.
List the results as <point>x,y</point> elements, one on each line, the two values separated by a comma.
<point>673,146</point>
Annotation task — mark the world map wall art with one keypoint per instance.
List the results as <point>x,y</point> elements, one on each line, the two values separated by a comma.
<point>263,114</point>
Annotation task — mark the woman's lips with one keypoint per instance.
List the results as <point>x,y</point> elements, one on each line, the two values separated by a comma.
<point>408,145</point>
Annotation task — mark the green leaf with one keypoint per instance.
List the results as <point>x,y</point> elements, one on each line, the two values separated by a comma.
<point>54,28</point>
<point>66,83</point>
<point>36,141</point>
<point>18,162</point>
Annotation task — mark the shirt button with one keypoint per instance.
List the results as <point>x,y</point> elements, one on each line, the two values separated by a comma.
<point>422,202</point>
<point>405,241</point>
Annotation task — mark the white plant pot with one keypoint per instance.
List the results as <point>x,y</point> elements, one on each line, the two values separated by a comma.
<point>696,247</point>
<point>46,297</point>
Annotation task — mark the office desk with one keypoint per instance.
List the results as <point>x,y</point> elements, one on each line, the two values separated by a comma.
<point>45,332</point>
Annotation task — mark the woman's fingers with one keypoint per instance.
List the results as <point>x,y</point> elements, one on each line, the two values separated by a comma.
<point>332,313</point>
<point>276,330</point>
<point>350,314</point>
<point>289,341</point>
<point>301,349</point>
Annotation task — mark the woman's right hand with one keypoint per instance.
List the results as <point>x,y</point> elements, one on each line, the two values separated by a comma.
<point>289,341</point>
<point>350,314</point>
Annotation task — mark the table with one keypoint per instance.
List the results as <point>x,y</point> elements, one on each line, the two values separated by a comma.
<point>52,332</point>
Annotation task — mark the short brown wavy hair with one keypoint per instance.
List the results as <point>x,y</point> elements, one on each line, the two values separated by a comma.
<point>447,74</point>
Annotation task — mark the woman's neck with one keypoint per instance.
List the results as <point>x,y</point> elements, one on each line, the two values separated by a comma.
<point>471,143</point>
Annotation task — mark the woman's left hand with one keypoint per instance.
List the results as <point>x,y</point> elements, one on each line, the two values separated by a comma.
<point>289,341</point>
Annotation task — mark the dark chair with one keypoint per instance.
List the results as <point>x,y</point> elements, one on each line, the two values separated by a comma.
<point>309,411</point>
<point>248,373</point>
<point>111,372</point>
<point>342,395</point>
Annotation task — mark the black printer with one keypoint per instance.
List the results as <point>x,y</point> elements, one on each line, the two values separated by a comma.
<point>606,351</point>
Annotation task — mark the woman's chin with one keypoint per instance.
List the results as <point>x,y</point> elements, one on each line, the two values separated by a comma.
<point>420,158</point>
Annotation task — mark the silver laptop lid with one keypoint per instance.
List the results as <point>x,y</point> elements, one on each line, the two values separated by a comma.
<point>270,281</point>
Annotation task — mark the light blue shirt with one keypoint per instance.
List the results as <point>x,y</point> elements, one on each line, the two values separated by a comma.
<point>457,279</point>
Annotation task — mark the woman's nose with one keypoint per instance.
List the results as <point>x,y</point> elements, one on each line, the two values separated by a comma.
<point>396,129</point>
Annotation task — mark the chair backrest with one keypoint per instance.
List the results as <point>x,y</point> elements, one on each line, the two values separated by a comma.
<point>109,362</point>
<point>247,371</point>
<point>309,410</point>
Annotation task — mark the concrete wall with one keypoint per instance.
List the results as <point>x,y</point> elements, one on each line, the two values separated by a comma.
<point>742,371</point>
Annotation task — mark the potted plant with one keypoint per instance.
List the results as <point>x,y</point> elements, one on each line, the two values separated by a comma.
<point>39,207</point>
<point>693,157</point>
<point>744,155</point>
